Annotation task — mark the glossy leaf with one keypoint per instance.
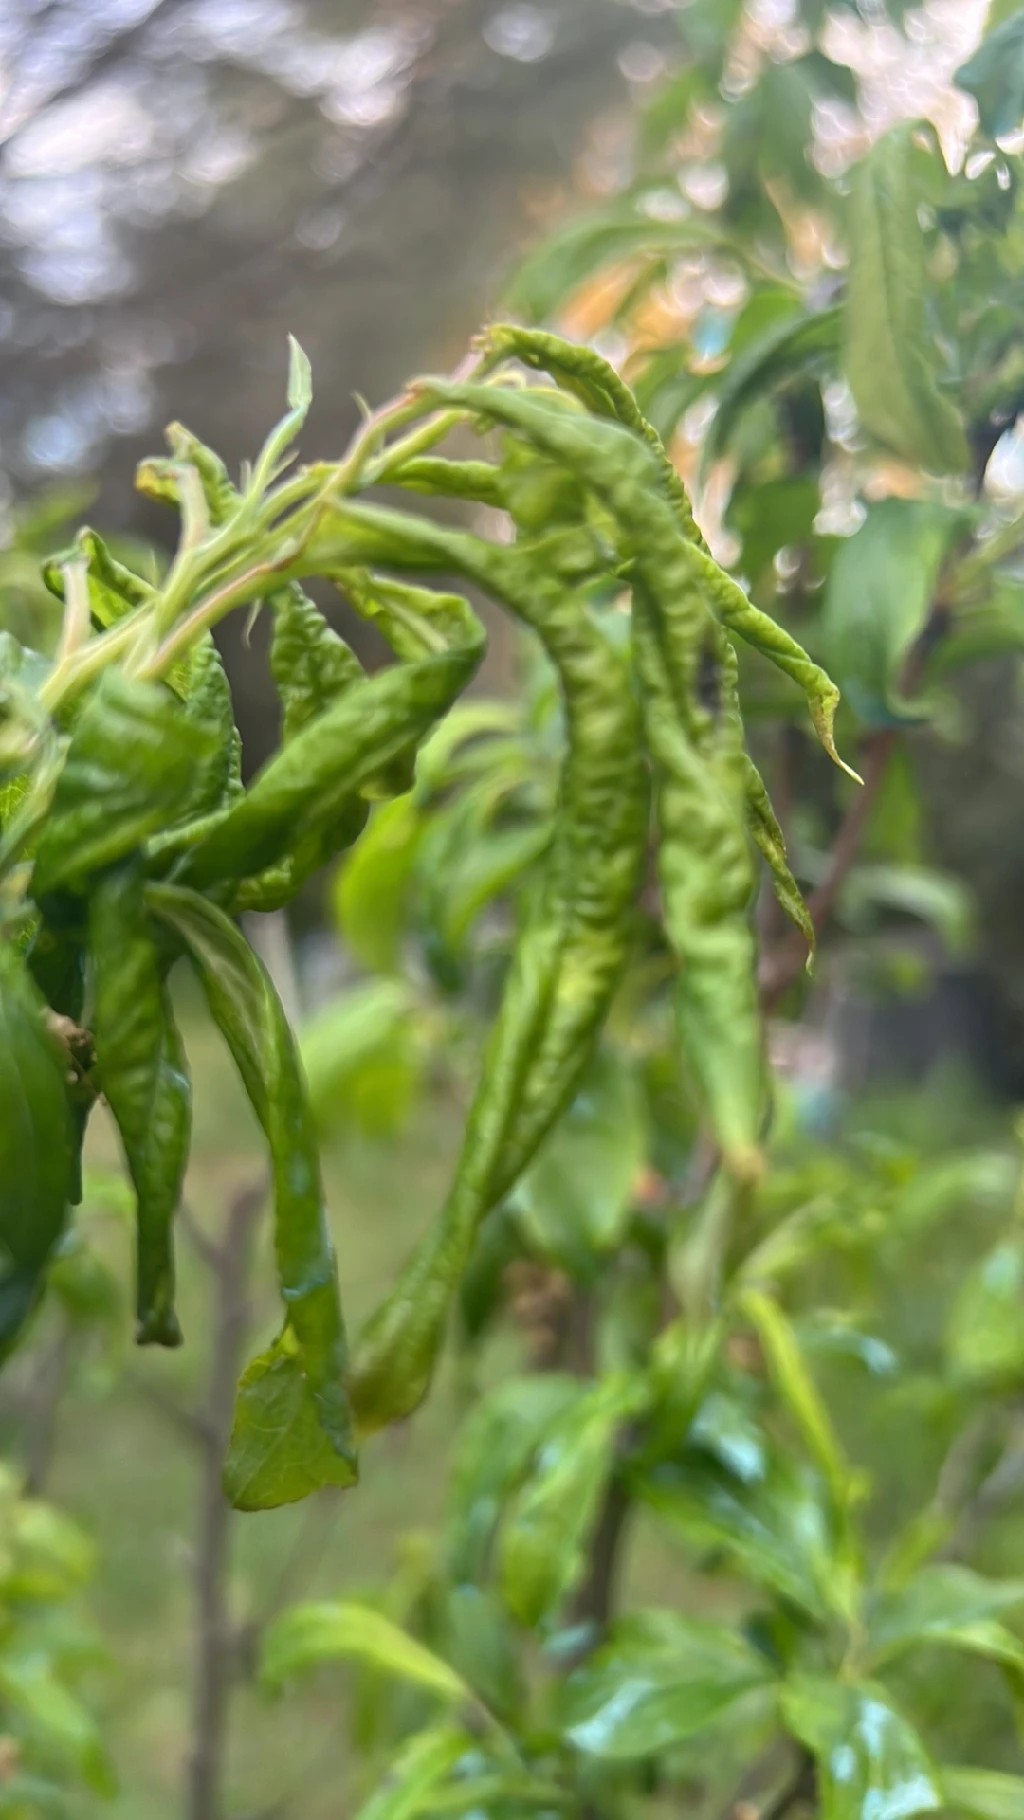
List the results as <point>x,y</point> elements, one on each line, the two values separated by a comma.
<point>659,1680</point>
<point>773,1530</point>
<point>501,1435</point>
<point>544,1534</point>
<point>871,1763</point>
<point>310,664</point>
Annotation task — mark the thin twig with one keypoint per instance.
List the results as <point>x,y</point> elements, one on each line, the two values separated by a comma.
<point>785,966</point>
<point>214,1643</point>
<point>42,1410</point>
<point>781,970</point>
<point>192,1424</point>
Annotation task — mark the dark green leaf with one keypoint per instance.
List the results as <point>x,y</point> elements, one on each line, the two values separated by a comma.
<point>38,1160</point>
<point>771,517</point>
<point>797,344</point>
<point>301,1377</point>
<point>995,77</point>
<point>145,1081</point>
<point>131,770</point>
<point>881,591</point>
<point>657,1681</point>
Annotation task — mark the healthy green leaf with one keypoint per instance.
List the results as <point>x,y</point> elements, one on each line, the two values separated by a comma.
<point>370,891</point>
<point>985,1337</point>
<point>871,1763</point>
<point>937,899</point>
<point>881,591</point>
<point>798,344</point>
<point>659,1680</point>
<point>420,1768</point>
<point>359,1046</point>
<point>52,1716</point>
<point>889,346</point>
<point>797,1388</point>
<point>948,1605</point>
<point>545,1530</point>
<point>500,1437</point>
<point>984,1794</point>
<point>308,1635</point>
<point>773,1530</point>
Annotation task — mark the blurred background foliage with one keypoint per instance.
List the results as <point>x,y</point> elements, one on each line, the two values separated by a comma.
<point>180,183</point>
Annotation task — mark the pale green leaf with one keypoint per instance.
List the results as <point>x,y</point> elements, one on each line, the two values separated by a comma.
<point>310,1635</point>
<point>947,1605</point>
<point>984,1794</point>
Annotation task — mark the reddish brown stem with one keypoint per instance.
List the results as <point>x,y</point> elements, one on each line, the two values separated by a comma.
<point>783,968</point>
